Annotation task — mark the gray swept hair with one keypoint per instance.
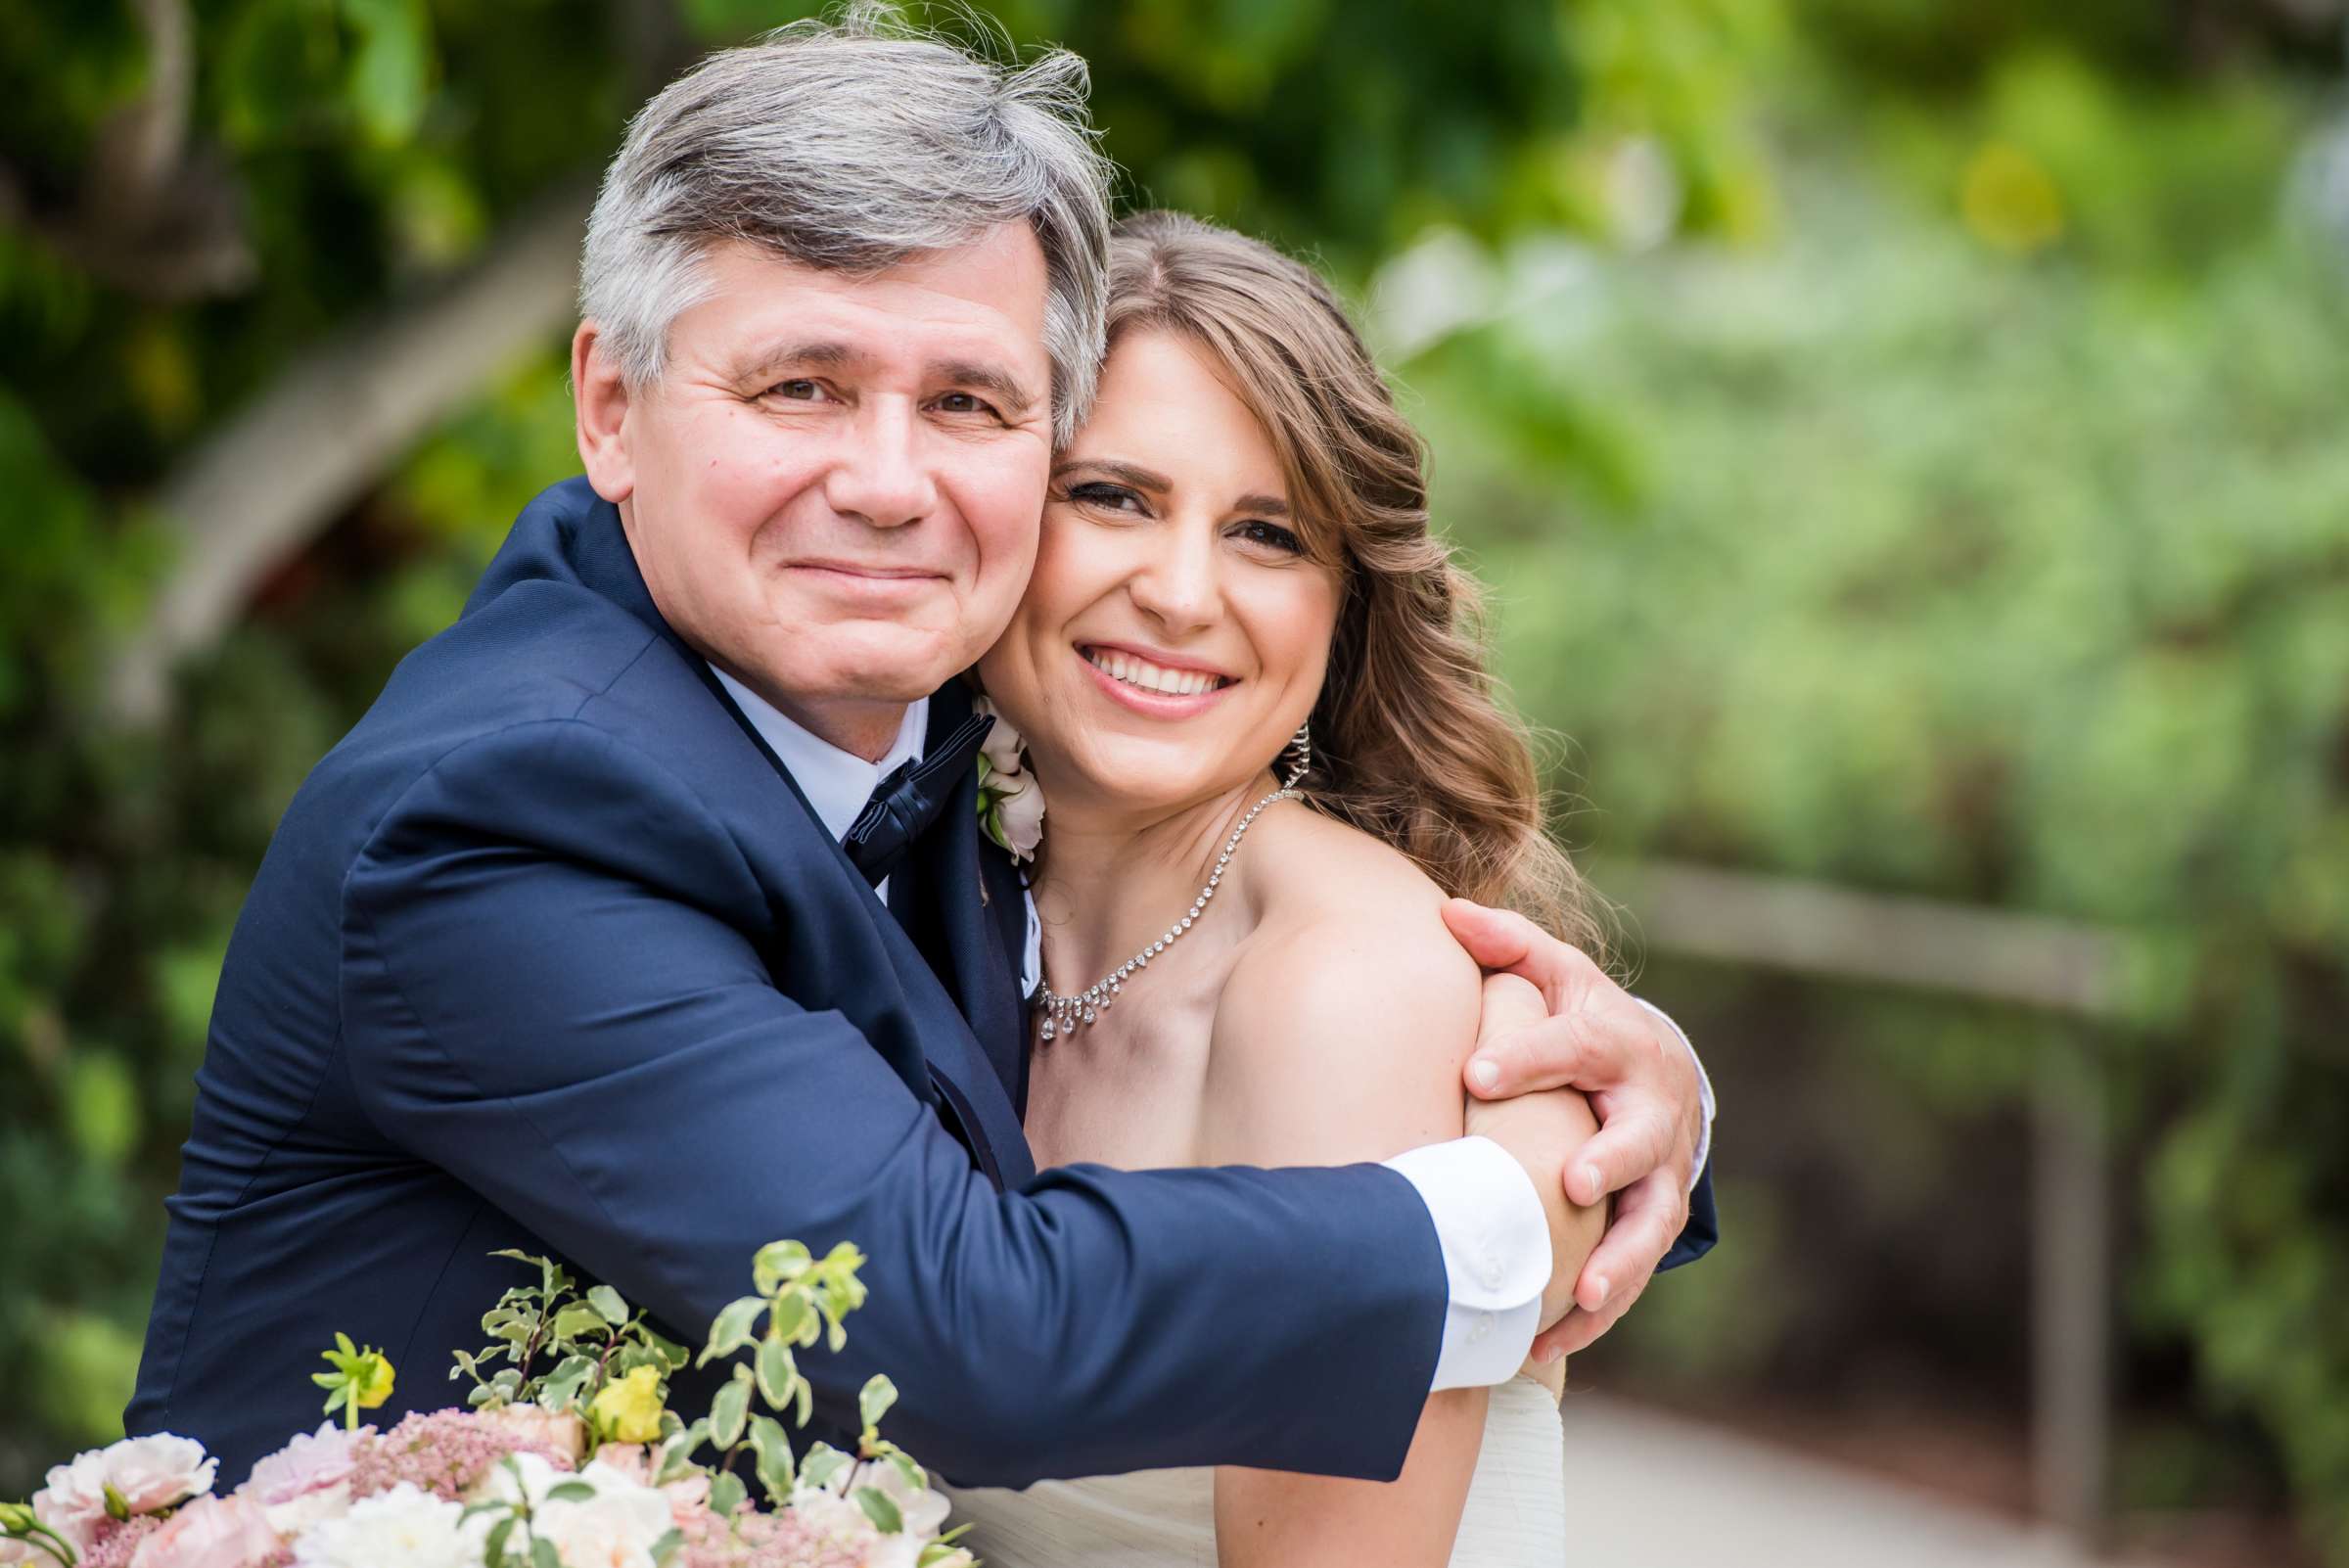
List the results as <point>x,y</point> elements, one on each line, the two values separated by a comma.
<point>849,144</point>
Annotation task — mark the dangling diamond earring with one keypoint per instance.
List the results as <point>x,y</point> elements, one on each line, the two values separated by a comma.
<point>1303,743</point>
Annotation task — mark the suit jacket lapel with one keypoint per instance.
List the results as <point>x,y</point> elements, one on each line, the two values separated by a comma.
<point>957,914</point>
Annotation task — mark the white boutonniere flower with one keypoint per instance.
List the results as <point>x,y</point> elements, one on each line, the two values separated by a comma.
<point>1011,807</point>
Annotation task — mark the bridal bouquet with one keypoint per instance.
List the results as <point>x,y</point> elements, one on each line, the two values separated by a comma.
<point>566,1457</point>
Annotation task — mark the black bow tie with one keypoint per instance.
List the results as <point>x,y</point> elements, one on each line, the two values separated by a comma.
<point>909,799</point>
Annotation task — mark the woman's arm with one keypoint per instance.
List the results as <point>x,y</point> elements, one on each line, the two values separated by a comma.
<point>1337,1041</point>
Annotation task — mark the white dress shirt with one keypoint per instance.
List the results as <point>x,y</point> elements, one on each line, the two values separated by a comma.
<point>1488,1218</point>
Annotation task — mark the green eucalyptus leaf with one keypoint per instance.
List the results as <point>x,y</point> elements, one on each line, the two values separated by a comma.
<point>823,1465</point>
<point>730,1330</point>
<point>794,1319</point>
<point>727,1494</point>
<point>578,1319</point>
<point>493,1550</point>
<point>777,1373</point>
<point>873,1402</point>
<point>666,1546</point>
<point>726,1413</point>
<point>879,1507</point>
<point>563,1384</point>
<point>570,1492</point>
<point>609,1302</point>
<point>543,1553</point>
<point>772,1448</point>
<point>777,1262</point>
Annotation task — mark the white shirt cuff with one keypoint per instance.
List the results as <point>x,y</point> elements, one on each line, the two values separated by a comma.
<point>1704,1094</point>
<point>1495,1240</point>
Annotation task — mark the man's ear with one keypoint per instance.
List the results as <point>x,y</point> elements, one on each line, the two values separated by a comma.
<point>600,402</point>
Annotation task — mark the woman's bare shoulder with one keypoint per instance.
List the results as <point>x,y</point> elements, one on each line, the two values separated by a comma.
<point>1341,1032</point>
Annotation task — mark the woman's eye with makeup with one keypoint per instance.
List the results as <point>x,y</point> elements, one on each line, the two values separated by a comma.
<point>1269,535</point>
<point>1106,497</point>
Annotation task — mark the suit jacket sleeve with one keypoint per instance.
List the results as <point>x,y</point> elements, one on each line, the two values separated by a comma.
<point>544,994</point>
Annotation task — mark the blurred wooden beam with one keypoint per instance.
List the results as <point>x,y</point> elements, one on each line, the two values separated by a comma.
<point>1813,928</point>
<point>2071,1295</point>
<point>2055,966</point>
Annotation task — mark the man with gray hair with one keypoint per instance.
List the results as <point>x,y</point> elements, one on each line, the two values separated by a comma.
<point>644,920</point>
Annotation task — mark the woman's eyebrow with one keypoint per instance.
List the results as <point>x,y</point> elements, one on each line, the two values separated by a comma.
<point>1266,505</point>
<point>1133,474</point>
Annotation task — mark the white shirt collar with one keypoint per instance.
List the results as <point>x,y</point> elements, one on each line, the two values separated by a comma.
<point>837,783</point>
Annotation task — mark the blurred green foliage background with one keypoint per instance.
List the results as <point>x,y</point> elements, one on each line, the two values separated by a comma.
<point>1904,436</point>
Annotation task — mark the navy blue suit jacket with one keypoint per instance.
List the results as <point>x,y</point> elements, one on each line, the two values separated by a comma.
<point>549,953</point>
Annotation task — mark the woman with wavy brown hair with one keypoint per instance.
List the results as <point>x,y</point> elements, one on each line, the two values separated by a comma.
<point>1247,678</point>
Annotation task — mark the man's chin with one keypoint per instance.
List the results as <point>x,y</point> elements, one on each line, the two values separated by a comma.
<point>897,668</point>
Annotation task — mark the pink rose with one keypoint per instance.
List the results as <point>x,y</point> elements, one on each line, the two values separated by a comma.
<point>313,1461</point>
<point>211,1533</point>
<point>147,1473</point>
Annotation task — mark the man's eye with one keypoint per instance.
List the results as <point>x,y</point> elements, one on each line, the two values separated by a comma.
<point>965,403</point>
<point>1272,536</point>
<point>798,391</point>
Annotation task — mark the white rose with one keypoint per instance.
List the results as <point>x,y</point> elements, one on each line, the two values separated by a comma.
<point>291,1519</point>
<point>147,1473</point>
<point>1003,745</point>
<point>616,1527</point>
<point>402,1528</point>
<point>1022,814</point>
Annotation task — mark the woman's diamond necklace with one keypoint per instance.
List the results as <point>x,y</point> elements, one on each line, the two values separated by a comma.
<point>1062,1015</point>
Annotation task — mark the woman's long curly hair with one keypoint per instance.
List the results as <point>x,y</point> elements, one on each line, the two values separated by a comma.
<point>1409,742</point>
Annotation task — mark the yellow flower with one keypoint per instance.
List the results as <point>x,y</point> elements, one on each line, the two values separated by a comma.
<point>629,1410</point>
<point>375,1384</point>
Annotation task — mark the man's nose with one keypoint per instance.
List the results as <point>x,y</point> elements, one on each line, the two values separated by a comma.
<point>1178,585</point>
<point>883,477</point>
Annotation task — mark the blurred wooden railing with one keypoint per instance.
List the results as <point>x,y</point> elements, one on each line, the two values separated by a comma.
<point>2084,973</point>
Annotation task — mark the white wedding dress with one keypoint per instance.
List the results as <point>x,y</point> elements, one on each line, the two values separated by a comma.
<point>1515,1515</point>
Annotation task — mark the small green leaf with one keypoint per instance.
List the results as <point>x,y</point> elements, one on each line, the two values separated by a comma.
<point>793,1319</point>
<point>912,1474</point>
<point>730,1330</point>
<point>543,1553</point>
<point>726,1413</point>
<point>562,1386</point>
<point>666,1546</point>
<point>777,1261</point>
<point>578,1319</point>
<point>874,1401</point>
<point>879,1509</point>
<point>606,1300</point>
<point>822,1466</point>
<point>777,1373</point>
<point>773,1450</point>
<point>570,1492</point>
<point>493,1550</point>
<point>726,1494</point>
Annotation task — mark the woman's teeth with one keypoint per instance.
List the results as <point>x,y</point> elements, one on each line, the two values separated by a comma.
<point>1148,676</point>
